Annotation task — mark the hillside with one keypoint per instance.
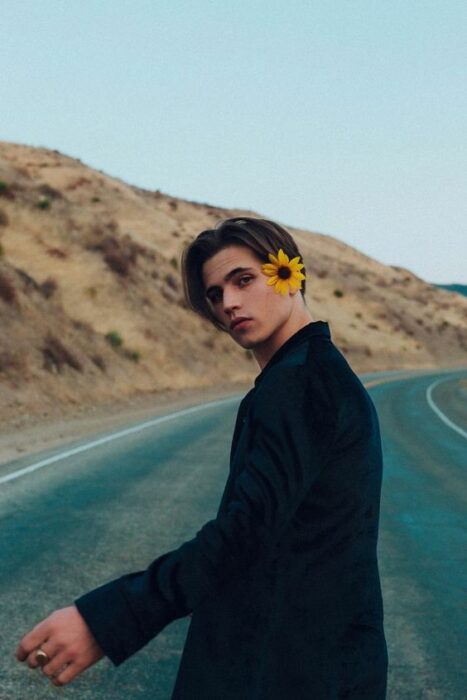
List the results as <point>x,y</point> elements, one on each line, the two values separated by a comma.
<point>91,299</point>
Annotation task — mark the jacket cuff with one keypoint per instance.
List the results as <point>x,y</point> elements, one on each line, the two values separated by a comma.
<point>108,615</point>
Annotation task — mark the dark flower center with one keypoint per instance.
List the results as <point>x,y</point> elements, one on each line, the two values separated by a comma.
<point>284,273</point>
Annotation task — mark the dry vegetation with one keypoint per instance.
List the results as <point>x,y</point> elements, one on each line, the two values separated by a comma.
<point>91,302</point>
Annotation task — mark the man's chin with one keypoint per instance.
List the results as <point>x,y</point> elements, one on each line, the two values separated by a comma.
<point>247,343</point>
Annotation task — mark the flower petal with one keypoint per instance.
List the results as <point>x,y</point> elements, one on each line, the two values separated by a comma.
<point>278,286</point>
<point>295,283</point>
<point>283,287</point>
<point>283,257</point>
<point>269,269</point>
<point>298,266</point>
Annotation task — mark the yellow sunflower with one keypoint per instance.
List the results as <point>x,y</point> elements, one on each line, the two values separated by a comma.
<point>283,273</point>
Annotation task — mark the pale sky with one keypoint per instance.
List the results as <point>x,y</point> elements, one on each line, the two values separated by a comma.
<point>348,118</point>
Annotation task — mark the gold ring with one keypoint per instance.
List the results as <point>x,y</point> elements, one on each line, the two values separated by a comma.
<point>41,657</point>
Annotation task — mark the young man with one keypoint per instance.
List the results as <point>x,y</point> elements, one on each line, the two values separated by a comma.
<point>283,584</point>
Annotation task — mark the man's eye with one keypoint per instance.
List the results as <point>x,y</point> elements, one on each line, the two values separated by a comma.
<point>215,297</point>
<point>245,279</point>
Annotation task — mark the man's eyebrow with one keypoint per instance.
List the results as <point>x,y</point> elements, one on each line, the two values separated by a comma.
<point>228,276</point>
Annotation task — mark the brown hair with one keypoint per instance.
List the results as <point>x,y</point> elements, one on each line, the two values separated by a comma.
<point>260,235</point>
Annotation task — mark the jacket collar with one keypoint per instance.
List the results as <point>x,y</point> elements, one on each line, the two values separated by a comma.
<point>311,329</point>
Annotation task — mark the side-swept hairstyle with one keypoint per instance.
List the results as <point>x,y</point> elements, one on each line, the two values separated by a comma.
<point>260,235</point>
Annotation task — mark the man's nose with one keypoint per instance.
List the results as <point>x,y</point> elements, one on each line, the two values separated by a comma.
<point>231,300</point>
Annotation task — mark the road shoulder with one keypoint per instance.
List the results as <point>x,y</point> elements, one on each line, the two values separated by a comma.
<point>31,434</point>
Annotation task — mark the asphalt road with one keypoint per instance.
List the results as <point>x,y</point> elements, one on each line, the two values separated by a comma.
<point>88,514</point>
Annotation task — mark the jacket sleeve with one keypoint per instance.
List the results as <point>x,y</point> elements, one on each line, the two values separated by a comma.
<point>287,450</point>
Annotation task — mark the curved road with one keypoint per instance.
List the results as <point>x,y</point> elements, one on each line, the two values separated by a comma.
<point>77,516</point>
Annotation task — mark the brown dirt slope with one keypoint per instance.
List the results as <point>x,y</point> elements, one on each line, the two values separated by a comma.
<point>91,303</point>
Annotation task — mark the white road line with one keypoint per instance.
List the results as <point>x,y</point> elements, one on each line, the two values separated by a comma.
<point>439,413</point>
<point>112,436</point>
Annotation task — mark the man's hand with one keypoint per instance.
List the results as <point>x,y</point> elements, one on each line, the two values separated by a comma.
<point>68,642</point>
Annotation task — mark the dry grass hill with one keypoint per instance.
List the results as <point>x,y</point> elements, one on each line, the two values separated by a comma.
<point>91,302</point>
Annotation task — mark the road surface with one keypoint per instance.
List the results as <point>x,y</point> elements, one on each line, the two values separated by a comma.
<point>77,516</point>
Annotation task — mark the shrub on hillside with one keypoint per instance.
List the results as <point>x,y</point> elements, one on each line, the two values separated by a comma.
<point>118,254</point>
<point>6,190</point>
<point>99,362</point>
<point>114,338</point>
<point>7,289</point>
<point>50,192</point>
<point>172,281</point>
<point>43,202</point>
<point>57,253</point>
<point>118,262</point>
<point>56,355</point>
<point>48,287</point>
<point>29,282</point>
<point>133,355</point>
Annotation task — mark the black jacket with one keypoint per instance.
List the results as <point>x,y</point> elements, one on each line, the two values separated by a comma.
<point>283,585</point>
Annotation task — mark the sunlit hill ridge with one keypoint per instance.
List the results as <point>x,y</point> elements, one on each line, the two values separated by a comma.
<point>91,302</point>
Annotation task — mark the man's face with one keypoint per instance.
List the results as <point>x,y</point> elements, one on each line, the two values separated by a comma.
<point>236,287</point>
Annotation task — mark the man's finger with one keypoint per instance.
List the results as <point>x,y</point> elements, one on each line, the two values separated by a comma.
<point>31,640</point>
<point>32,660</point>
<point>48,648</point>
<point>20,653</point>
<point>67,675</point>
<point>26,646</point>
<point>56,664</point>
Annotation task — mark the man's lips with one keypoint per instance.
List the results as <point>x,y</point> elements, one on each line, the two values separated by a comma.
<point>237,321</point>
